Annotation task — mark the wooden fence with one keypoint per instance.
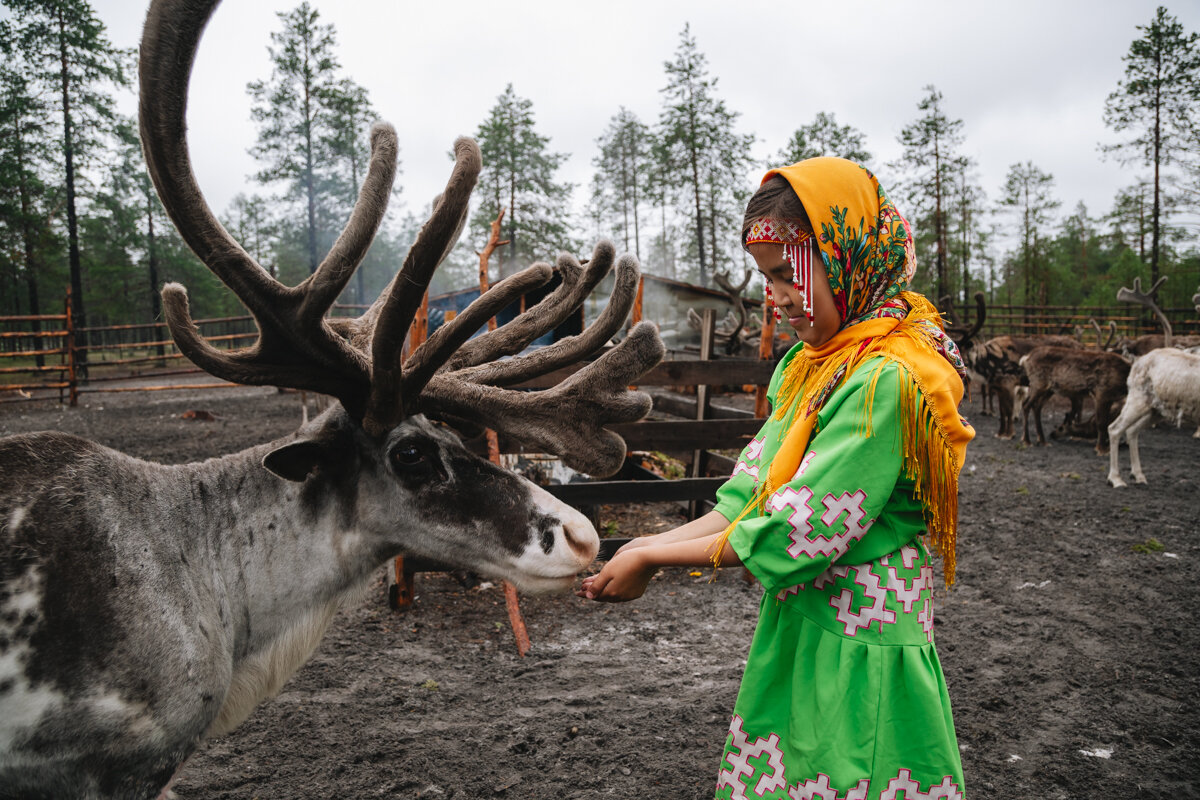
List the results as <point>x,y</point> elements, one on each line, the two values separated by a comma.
<point>1131,320</point>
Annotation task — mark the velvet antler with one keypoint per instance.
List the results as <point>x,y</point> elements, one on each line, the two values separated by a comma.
<point>359,361</point>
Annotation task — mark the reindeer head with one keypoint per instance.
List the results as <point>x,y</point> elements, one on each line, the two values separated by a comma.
<point>381,432</point>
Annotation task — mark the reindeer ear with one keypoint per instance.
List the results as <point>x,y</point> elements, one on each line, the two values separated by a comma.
<point>296,461</point>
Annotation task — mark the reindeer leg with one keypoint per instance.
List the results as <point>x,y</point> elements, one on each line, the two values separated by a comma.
<point>1037,417</point>
<point>1114,449</point>
<point>1135,460</point>
<point>1005,402</point>
<point>1133,417</point>
<point>1033,405</point>
<point>1104,406</point>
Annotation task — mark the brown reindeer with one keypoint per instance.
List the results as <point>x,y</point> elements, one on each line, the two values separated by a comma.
<point>144,608</point>
<point>998,362</point>
<point>1074,373</point>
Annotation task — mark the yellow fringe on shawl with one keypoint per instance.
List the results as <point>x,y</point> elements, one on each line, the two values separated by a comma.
<point>933,437</point>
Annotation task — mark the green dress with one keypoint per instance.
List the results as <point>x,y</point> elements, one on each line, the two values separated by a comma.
<point>843,696</point>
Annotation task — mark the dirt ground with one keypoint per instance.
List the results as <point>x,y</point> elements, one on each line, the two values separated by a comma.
<point>1069,643</point>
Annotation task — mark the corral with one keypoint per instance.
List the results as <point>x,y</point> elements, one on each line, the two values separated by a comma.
<point>1068,642</point>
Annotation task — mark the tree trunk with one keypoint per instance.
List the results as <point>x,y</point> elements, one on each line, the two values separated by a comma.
<point>152,252</point>
<point>695,159</point>
<point>309,184</point>
<point>939,224</point>
<point>73,259</point>
<point>1154,234</point>
<point>359,285</point>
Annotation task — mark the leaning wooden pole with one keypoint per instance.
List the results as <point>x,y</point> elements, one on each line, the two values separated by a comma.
<point>511,601</point>
<point>486,253</point>
<point>766,350</point>
<point>402,591</point>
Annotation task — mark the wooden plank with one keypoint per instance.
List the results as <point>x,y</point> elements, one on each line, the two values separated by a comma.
<point>684,406</point>
<point>710,434</point>
<point>708,332</point>
<point>597,492</point>
<point>718,372</point>
<point>665,435</point>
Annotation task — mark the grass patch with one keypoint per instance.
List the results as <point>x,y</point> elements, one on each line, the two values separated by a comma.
<point>1148,547</point>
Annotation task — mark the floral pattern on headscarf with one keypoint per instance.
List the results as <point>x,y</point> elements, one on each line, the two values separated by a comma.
<point>866,244</point>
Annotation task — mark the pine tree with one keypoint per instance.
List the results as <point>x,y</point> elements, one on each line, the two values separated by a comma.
<point>930,144</point>
<point>347,140</point>
<point>1130,217</point>
<point>619,186</point>
<point>824,137</point>
<point>309,128</point>
<point>1028,194</point>
<point>965,212</point>
<point>26,154</point>
<point>1158,102</point>
<point>249,219</point>
<point>702,149</point>
<point>518,174</point>
<point>69,54</point>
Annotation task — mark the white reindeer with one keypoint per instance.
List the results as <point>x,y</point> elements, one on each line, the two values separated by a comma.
<point>1163,384</point>
<point>145,607</point>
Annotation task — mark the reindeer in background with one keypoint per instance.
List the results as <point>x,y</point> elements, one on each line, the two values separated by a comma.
<point>145,607</point>
<point>1163,384</point>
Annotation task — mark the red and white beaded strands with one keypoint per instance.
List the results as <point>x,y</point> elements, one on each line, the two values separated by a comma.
<point>798,245</point>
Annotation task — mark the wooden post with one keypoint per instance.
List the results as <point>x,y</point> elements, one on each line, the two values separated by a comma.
<point>766,350</point>
<point>511,601</point>
<point>708,325</point>
<point>73,384</point>
<point>637,300</point>
<point>401,593</point>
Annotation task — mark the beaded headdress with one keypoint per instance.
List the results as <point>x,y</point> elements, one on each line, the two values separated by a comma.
<point>798,245</point>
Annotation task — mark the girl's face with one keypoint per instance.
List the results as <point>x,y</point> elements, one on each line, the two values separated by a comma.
<point>778,272</point>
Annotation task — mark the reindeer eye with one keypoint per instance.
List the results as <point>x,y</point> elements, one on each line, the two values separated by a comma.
<point>407,456</point>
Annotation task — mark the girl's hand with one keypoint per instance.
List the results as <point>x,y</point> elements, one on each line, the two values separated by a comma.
<point>633,544</point>
<point>623,578</point>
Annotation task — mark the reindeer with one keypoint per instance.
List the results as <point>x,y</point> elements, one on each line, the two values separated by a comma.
<point>998,362</point>
<point>144,608</point>
<point>1164,383</point>
<point>1075,373</point>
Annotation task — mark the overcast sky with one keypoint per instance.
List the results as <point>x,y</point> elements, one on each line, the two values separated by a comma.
<point>1028,79</point>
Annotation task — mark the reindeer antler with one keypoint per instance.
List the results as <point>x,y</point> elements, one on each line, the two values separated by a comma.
<point>359,361</point>
<point>1136,295</point>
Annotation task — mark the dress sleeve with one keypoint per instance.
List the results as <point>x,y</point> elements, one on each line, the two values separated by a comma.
<point>737,491</point>
<point>840,488</point>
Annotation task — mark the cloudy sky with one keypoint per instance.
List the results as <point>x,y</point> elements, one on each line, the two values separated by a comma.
<point>1028,79</point>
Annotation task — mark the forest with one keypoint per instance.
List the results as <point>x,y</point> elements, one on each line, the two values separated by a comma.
<point>78,210</point>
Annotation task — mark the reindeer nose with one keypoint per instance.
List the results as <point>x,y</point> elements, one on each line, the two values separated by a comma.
<point>580,534</point>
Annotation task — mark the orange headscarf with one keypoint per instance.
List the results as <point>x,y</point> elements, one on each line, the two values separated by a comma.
<point>867,249</point>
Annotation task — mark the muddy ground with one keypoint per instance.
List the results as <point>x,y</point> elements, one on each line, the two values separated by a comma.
<point>1069,643</point>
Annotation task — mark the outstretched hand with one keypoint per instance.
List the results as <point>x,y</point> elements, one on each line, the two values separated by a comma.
<point>623,578</point>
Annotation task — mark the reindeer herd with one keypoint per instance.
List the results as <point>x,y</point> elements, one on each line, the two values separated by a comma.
<point>1157,376</point>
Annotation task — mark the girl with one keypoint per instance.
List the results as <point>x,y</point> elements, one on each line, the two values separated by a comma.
<point>832,506</point>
